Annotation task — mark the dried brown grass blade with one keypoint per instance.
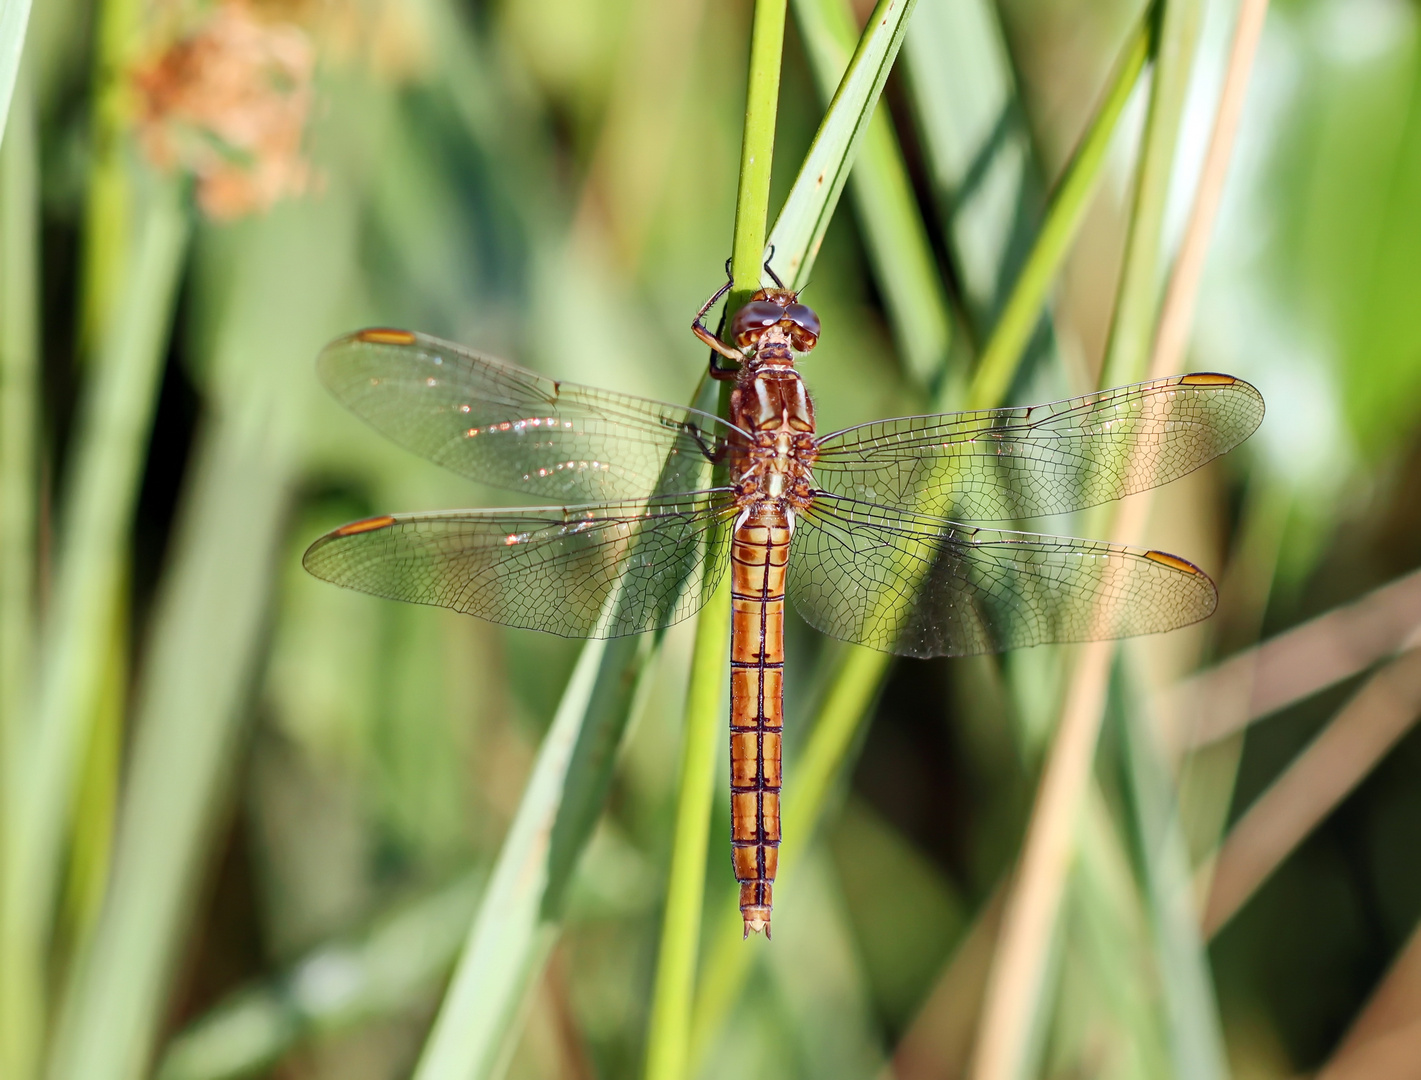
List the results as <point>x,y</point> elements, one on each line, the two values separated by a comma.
<point>1385,1038</point>
<point>1292,666</point>
<point>1322,775</point>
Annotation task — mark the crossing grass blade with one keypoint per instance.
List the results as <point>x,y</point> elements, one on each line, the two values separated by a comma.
<point>803,219</point>
<point>886,206</point>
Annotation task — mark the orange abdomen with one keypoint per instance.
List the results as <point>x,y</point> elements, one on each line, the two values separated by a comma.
<point>759,555</point>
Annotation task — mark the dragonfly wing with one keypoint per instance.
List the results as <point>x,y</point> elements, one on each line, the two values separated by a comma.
<point>1004,464</point>
<point>503,425</point>
<point>923,586</point>
<point>579,571</point>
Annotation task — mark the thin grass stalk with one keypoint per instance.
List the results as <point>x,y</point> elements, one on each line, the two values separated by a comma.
<point>1137,307</point>
<point>1195,1035</point>
<point>19,419</point>
<point>1177,314</point>
<point>1386,707</point>
<point>669,1032</point>
<point>102,490</point>
<point>19,408</point>
<point>757,148</point>
<point>800,227</point>
<point>109,195</point>
<point>1064,213</point>
<point>14,22</point>
<point>977,150</point>
<point>1017,986</point>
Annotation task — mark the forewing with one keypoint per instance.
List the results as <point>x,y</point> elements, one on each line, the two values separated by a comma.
<point>922,586</point>
<point>578,571</point>
<point>503,425</point>
<point>1005,464</point>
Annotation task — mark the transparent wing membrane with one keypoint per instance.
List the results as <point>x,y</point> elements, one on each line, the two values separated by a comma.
<point>502,425</point>
<point>923,586</point>
<point>577,571</point>
<point>878,557</point>
<point>1005,464</point>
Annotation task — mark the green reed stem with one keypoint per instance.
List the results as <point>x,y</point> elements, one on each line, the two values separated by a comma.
<point>669,1033</point>
<point>757,149</point>
<point>668,1039</point>
<point>1137,304</point>
<point>1064,213</point>
<point>19,411</point>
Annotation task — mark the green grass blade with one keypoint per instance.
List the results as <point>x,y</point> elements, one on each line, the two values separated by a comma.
<point>14,21</point>
<point>1019,991</point>
<point>887,209</point>
<point>289,278</point>
<point>668,1034</point>
<point>113,427</point>
<point>19,420</point>
<point>509,939</point>
<point>1141,282</point>
<point>383,972</point>
<point>800,227</point>
<point>757,149</point>
<point>1002,356</point>
<point>976,146</point>
<point>1195,1033</point>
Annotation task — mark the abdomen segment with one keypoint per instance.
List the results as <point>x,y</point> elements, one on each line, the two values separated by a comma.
<point>758,557</point>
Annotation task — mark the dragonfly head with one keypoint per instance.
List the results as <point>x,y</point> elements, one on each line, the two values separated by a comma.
<point>776,316</point>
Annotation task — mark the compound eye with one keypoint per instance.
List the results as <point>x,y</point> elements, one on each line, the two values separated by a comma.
<point>753,320</point>
<point>804,326</point>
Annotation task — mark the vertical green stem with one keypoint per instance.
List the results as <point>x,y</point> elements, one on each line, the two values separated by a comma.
<point>669,1034</point>
<point>109,197</point>
<point>1137,305</point>
<point>668,1040</point>
<point>757,148</point>
<point>19,408</point>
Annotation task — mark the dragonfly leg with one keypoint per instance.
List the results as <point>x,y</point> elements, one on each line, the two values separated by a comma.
<point>730,352</point>
<point>714,456</point>
<point>771,270</point>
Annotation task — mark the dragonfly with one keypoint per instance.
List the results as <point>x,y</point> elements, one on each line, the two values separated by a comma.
<point>872,531</point>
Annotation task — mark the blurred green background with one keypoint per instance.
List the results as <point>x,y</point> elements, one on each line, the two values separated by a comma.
<point>249,816</point>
